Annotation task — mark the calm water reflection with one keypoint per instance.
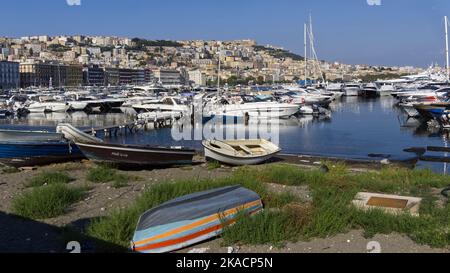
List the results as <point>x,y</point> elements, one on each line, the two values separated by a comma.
<point>356,128</point>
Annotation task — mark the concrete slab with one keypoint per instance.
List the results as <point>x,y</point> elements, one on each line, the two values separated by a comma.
<point>389,203</point>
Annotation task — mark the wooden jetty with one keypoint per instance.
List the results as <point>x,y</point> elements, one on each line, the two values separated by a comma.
<point>133,127</point>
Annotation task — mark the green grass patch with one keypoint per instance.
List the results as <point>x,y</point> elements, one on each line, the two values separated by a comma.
<point>106,174</point>
<point>69,166</point>
<point>330,213</point>
<point>334,190</point>
<point>46,201</point>
<point>7,170</point>
<point>212,165</point>
<point>101,174</point>
<point>269,227</point>
<point>49,178</point>
<point>120,181</point>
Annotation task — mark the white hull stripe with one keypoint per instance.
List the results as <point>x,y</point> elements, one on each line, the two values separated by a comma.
<point>134,149</point>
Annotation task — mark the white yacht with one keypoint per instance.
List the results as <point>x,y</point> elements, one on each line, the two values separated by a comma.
<point>45,105</point>
<point>351,89</point>
<point>370,90</point>
<point>254,108</point>
<point>308,97</point>
<point>386,87</point>
<point>167,104</point>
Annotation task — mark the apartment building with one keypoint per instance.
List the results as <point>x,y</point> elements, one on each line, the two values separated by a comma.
<point>9,75</point>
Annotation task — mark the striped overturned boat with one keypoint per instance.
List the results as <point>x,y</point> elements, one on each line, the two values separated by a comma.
<point>193,218</point>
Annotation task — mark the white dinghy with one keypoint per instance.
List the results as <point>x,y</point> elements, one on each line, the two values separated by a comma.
<point>240,152</point>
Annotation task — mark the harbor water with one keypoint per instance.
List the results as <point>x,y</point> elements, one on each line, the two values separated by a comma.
<point>355,128</point>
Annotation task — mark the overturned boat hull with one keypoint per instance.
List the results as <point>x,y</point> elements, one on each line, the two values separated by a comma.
<point>192,219</point>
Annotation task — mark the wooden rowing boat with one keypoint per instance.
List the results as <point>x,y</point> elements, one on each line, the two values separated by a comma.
<point>240,152</point>
<point>134,155</point>
<point>193,218</point>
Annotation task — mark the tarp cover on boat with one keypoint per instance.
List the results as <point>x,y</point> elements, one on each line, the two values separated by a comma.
<point>197,205</point>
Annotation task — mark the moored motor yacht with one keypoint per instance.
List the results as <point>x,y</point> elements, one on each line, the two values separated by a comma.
<point>48,105</point>
<point>369,90</point>
<point>250,106</point>
<point>351,89</point>
<point>167,104</point>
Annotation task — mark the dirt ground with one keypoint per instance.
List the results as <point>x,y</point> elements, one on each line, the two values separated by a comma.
<point>24,235</point>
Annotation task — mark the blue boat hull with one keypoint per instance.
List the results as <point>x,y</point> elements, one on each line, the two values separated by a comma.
<point>17,149</point>
<point>23,154</point>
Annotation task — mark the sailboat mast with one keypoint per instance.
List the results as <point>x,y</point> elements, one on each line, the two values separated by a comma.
<point>311,43</point>
<point>446,48</point>
<point>218,76</point>
<point>306,58</point>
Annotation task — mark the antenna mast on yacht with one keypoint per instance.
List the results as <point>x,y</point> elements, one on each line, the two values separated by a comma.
<point>446,48</point>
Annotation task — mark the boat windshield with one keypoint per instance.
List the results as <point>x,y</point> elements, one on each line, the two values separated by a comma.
<point>293,94</point>
<point>249,99</point>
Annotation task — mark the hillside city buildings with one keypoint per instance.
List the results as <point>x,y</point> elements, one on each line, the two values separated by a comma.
<point>59,61</point>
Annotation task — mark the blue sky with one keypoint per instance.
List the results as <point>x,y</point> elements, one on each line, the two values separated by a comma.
<point>399,32</point>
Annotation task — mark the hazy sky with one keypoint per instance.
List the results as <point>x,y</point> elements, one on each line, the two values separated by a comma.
<point>398,32</point>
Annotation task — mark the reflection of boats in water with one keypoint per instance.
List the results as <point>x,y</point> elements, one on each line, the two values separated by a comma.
<point>128,111</point>
<point>55,116</point>
<point>79,116</point>
<point>255,128</point>
<point>412,123</point>
<point>79,119</point>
